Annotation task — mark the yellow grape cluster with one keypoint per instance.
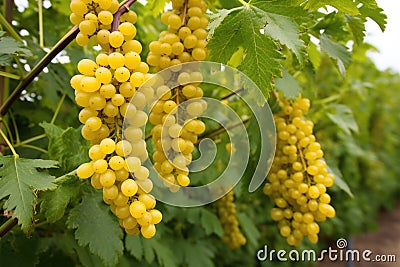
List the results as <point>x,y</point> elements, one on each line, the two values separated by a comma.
<point>226,207</point>
<point>185,39</point>
<point>176,127</point>
<point>106,89</point>
<point>94,19</point>
<point>298,179</point>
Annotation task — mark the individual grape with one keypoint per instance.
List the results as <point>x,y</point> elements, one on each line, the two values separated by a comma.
<point>85,170</point>
<point>116,39</point>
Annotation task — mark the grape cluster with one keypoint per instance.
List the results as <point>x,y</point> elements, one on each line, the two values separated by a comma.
<point>185,39</point>
<point>298,179</point>
<point>94,19</point>
<point>107,90</point>
<point>226,207</point>
<point>175,111</point>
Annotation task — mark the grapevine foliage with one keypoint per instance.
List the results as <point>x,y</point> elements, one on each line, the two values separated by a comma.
<point>284,45</point>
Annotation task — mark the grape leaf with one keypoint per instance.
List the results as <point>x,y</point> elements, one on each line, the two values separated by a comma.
<point>210,223</point>
<point>198,254</point>
<point>165,255</point>
<point>97,227</point>
<point>339,181</point>
<point>344,119</point>
<point>288,8</point>
<point>157,6</point>
<point>336,51</point>
<point>357,28</point>
<point>288,85</point>
<point>67,146</point>
<point>9,46</point>
<point>242,28</point>
<point>249,229</point>
<point>19,179</point>
<point>148,252</point>
<point>133,245</point>
<point>375,13</point>
<point>314,55</point>
<point>54,203</point>
<point>286,31</point>
<point>346,6</point>
<point>216,19</point>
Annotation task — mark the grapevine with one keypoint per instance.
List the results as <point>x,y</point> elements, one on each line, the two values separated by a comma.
<point>175,127</point>
<point>298,181</point>
<point>106,89</point>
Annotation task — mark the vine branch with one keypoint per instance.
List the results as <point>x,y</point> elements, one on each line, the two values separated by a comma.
<point>184,12</point>
<point>68,38</point>
<point>7,226</point>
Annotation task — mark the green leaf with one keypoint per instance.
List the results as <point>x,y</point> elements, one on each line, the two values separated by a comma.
<point>97,227</point>
<point>242,28</point>
<point>346,6</point>
<point>357,28</point>
<point>339,181</point>
<point>210,223</point>
<point>288,85</point>
<point>198,254</point>
<point>19,179</point>
<point>376,14</point>
<point>67,146</point>
<point>216,20</point>
<point>336,51</point>
<point>314,55</point>
<point>165,255</point>
<point>344,119</point>
<point>54,203</point>
<point>288,8</point>
<point>11,47</point>
<point>249,229</point>
<point>134,246</point>
<point>286,31</point>
<point>148,251</point>
<point>157,6</point>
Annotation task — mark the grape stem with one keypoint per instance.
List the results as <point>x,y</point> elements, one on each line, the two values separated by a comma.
<point>184,12</point>
<point>124,7</point>
<point>304,163</point>
<point>222,130</point>
<point>9,143</point>
<point>232,93</point>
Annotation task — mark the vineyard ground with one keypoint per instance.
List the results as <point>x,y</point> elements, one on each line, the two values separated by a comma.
<point>384,241</point>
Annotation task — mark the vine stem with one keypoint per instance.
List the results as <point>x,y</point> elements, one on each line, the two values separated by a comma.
<point>40,14</point>
<point>222,130</point>
<point>243,2</point>
<point>9,144</point>
<point>232,93</point>
<point>68,38</point>
<point>7,226</point>
<point>184,12</point>
<point>60,103</point>
<point>7,26</point>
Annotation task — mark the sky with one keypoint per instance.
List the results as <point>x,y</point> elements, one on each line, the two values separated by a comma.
<point>388,43</point>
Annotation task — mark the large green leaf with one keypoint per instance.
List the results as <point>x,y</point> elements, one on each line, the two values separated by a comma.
<point>20,179</point>
<point>249,229</point>
<point>210,223</point>
<point>371,10</point>
<point>97,227</point>
<point>243,28</point>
